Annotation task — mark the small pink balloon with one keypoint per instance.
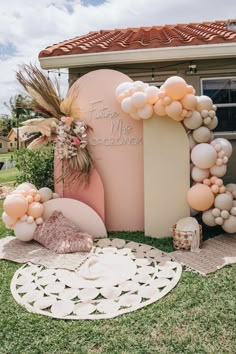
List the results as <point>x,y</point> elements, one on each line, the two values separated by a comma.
<point>167,100</point>
<point>39,221</point>
<point>174,109</point>
<point>219,162</point>
<point>30,219</point>
<point>213,179</point>
<point>160,109</point>
<point>215,189</point>
<point>222,189</point>
<point>219,182</point>
<point>33,192</point>
<point>190,89</point>
<point>161,94</point>
<point>29,198</point>
<point>37,198</point>
<point>189,101</point>
<point>207,182</point>
<point>35,209</point>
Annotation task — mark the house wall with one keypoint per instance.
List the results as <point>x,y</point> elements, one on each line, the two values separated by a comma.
<point>3,146</point>
<point>157,73</point>
<point>12,144</point>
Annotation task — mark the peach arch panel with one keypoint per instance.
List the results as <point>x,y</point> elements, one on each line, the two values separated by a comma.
<point>116,145</point>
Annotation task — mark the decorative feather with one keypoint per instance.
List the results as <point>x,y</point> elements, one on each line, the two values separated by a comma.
<point>41,141</point>
<point>41,102</point>
<point>70,107</point>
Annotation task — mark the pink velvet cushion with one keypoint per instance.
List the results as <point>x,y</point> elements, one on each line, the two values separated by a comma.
<point>61,236</point>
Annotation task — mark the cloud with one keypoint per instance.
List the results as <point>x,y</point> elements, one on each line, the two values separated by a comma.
<point>28,26</point>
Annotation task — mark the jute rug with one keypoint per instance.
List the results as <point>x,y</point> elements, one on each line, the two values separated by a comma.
<point>120,277</point>
<point>215,253</point>
<point>17,251</point>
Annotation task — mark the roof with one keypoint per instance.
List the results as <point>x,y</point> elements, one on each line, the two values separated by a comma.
<point>167,36</point>
<point>22,136</point>
<point>4,138</point>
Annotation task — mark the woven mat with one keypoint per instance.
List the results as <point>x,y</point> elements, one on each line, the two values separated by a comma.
<point>17,251</point>
<point>215,253</point>
<point>120,277</point>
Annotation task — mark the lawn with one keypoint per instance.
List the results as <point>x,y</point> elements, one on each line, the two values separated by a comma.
<point>6,155</point>
<point>197,317</point>
<point>8,177</point>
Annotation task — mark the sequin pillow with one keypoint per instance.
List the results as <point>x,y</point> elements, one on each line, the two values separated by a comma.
<point>62,236</point>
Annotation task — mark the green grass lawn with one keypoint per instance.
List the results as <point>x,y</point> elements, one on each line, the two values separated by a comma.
<point>6,155</point>
<point>8,177</point>
<point>196,317</point>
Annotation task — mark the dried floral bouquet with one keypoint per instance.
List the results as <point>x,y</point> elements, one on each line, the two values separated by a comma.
<point>59,121</point>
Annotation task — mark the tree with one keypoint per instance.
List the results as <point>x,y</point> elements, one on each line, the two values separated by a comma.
<point>21,108</point>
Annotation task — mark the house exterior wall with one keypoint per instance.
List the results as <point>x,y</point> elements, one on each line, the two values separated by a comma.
<point>157,73</point>
<point>3,146</point>
<point>12,144</point>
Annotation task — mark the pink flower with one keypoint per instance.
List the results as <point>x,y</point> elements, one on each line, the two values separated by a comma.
<point>68,120</point>
<point>76,140</point>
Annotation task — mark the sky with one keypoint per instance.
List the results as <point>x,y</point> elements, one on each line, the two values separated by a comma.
<point>28,26</point>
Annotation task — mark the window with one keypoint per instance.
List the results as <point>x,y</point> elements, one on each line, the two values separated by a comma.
<point>0,145</point>
<point>223,94</point>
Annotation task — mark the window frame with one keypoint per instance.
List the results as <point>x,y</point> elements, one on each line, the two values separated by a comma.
<point>230,133</point>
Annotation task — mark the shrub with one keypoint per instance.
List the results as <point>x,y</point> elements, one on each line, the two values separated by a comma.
<point>35,166</point>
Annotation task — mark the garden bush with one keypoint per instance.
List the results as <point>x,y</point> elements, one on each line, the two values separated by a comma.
<point>35,166</point>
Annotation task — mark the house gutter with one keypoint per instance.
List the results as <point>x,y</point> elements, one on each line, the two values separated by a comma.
<point>210,51</point>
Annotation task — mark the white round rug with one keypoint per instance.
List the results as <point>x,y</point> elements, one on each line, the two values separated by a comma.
<point>120,277</point>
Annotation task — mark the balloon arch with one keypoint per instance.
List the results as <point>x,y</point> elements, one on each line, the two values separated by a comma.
<point>209,157</point>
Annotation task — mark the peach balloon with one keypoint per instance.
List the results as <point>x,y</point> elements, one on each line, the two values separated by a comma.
<point>35,209</point>
<point>160,109</point>
<point>15,205</point>
<point>19,191</point>
<point>175,87</point>
<point>174,109</point>
<point>200,197</point>
<point>189,101</point>
<point>204,156</point>
<point>215,189</point>
<point>29,198</point>
<point>37,198</point>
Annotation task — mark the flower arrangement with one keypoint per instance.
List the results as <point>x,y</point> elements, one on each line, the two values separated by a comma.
<point>59,122</point>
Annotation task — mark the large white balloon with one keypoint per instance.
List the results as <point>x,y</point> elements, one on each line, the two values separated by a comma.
<point>138,99</point>
<point>199,174</point>
<point>152,94</point>
<point>24,231</point>
<point>223,201</point>
<point>124,86</point>
<point>127,106</point>
<point>203,156</point>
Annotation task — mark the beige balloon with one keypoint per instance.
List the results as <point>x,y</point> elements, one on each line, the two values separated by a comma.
<point>202,135</point>
<point>194,121</point>
<point>208,218</point>
<point>218,171</point>
<point>223,201</point>
<point>204,103</point>
<point>230,225</point>
<point>213,124</point>
<point>199,174</point>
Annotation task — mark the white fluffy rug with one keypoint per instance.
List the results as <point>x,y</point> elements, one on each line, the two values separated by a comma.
<point>120,277</point>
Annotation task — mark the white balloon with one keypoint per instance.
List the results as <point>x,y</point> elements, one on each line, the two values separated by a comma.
<point>231,187</point>
<point>152,94</point>
<point>208,218</point>
<point>24,231</point>
<point>127,106</point>
<point>122,87</point>
<point>8,220</point>
<point>145,112</point>
<point>218,171</point>
<point>138,99</point>
<point>203,156</point>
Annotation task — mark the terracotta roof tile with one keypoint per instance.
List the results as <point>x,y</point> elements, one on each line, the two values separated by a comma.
<point>144,37</point>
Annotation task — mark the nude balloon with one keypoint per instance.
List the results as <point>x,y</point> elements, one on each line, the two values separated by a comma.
<point>218,171</point>
<point>26,186</point>
<point>122,87</point>
<point>223,201</point>
<point>199,174</point>
<point>127,106</point>
<point>35,209</point>
<point>200,197</point>
<point>175,87</point>
<point>204,103</point>
<point>15,205</point>
<point>213,124</point>
<point>8,220</point>
<point>208,218</point>
<point>45,194</point>
<point>191,141</point>
<point>202,135</point>
<point>194,121</point>
<point>226,146</point>
<point>229,224</point>
<point>203,156</point>
<point>24,231</point>
<point>138,99</point>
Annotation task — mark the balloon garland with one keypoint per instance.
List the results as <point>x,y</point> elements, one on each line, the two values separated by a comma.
<point>177,100</point>
<point>23,209</point>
